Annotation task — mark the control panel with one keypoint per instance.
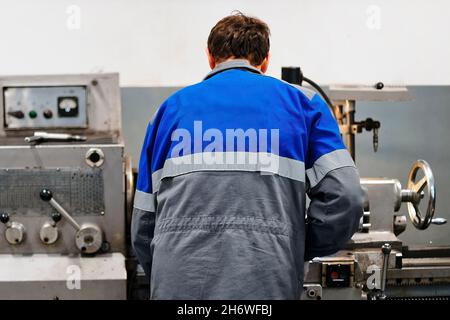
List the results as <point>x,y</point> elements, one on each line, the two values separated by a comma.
<point>45,107</point>
<point>338,274</point>
<point>61,165</point>
<point>65,187</point>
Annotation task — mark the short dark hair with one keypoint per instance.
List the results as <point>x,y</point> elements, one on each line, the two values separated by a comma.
<point>239,36</point>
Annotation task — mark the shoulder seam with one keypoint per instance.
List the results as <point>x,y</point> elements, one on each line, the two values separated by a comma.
<point>308,93</point>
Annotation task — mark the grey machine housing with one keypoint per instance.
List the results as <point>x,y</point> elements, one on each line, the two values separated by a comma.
<point>73,246</point>
<point>376,264</point>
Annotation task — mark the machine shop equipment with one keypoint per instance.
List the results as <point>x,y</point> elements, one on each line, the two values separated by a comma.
<point>66,190</point>
<point>344,108</point>
<point>65,186</point>
<point>375,263</point>
<point>344,101</point>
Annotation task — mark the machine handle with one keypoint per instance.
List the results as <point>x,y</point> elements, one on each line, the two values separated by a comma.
<point>88,238</point>
<point>46,195</point>
<point>439,221</point>
<point>40,136</point>
<point>375,140</point>
<point>386,250</point>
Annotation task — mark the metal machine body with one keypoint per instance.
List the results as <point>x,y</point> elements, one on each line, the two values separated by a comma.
<point>64,188</point>
<point>375,264</point>
<point>344,108</point>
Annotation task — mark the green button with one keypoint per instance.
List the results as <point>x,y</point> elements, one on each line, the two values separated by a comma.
<point>32,114</point>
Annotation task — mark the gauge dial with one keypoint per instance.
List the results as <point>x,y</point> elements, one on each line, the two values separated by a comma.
<point>67,106</point>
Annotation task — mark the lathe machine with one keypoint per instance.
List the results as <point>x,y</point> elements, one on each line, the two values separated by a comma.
<point>376,264</point>
<point>65,184</point>
<point>66,191</point>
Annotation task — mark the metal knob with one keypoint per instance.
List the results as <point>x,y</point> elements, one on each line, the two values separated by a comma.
<point>46,195</point>
<point>4,217</point>
<point>49,233</point>
<point>379,85</point>
<point>15,231</point>
<point>56,217</point>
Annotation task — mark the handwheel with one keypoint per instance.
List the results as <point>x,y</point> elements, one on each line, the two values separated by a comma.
<point>129,187</point>
<point>415,193</point>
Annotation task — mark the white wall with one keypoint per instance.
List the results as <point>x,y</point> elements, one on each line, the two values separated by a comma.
<point>161,43</point>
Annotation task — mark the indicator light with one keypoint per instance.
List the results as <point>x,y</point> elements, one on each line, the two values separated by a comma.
<point>32,114</point>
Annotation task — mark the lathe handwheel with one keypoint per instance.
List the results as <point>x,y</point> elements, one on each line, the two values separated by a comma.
<point>415,193</point>
<point>129,195</point>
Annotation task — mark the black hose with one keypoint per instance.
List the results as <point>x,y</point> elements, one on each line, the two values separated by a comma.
<point>295,76</point>
<point>322,93</point>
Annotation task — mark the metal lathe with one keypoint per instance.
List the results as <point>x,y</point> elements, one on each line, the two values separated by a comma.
<point>66,191</point>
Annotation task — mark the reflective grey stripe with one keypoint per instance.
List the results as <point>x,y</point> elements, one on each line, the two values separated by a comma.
<point>231,64</point>
<point>154,115</point>
<point>328,162</point>
<point>307,92</point>
<point>144,201</point>
<point>285,167</point>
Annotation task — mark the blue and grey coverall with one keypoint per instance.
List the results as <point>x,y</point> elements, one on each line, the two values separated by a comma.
<point>240,230</point>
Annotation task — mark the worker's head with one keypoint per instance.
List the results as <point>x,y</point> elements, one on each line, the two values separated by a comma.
<point>239,37</point>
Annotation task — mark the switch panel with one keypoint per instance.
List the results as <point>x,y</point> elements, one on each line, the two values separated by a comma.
<point>338,274</point>
<point>45,107</point>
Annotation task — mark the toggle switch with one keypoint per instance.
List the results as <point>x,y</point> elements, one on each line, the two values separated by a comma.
<point>16,114</point>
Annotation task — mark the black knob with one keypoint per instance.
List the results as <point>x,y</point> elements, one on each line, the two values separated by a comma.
<point>368,124</point>
<point>379,85</point>
<point>56,216</point>
<point>46,195</point>
<point>48,114</point>
<point>94,157</point>
<point>105,246</point>
<point>4,217</point>
<point>386,248</point>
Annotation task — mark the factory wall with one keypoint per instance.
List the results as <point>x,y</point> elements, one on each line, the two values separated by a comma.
<point>161,43</point>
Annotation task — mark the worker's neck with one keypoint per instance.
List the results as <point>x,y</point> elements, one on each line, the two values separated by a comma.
<point>232,59</point>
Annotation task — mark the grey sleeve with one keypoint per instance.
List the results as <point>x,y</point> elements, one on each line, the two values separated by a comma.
<point>142,230</point>
<point>334,212</point>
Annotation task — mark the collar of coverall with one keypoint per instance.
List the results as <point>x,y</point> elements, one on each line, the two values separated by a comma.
<point>232,64</point>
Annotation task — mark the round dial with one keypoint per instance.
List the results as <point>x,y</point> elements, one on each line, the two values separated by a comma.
<point>89,238</point>
<point>15,233</point>
<point>48,233</point>
<point>67,104</point>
